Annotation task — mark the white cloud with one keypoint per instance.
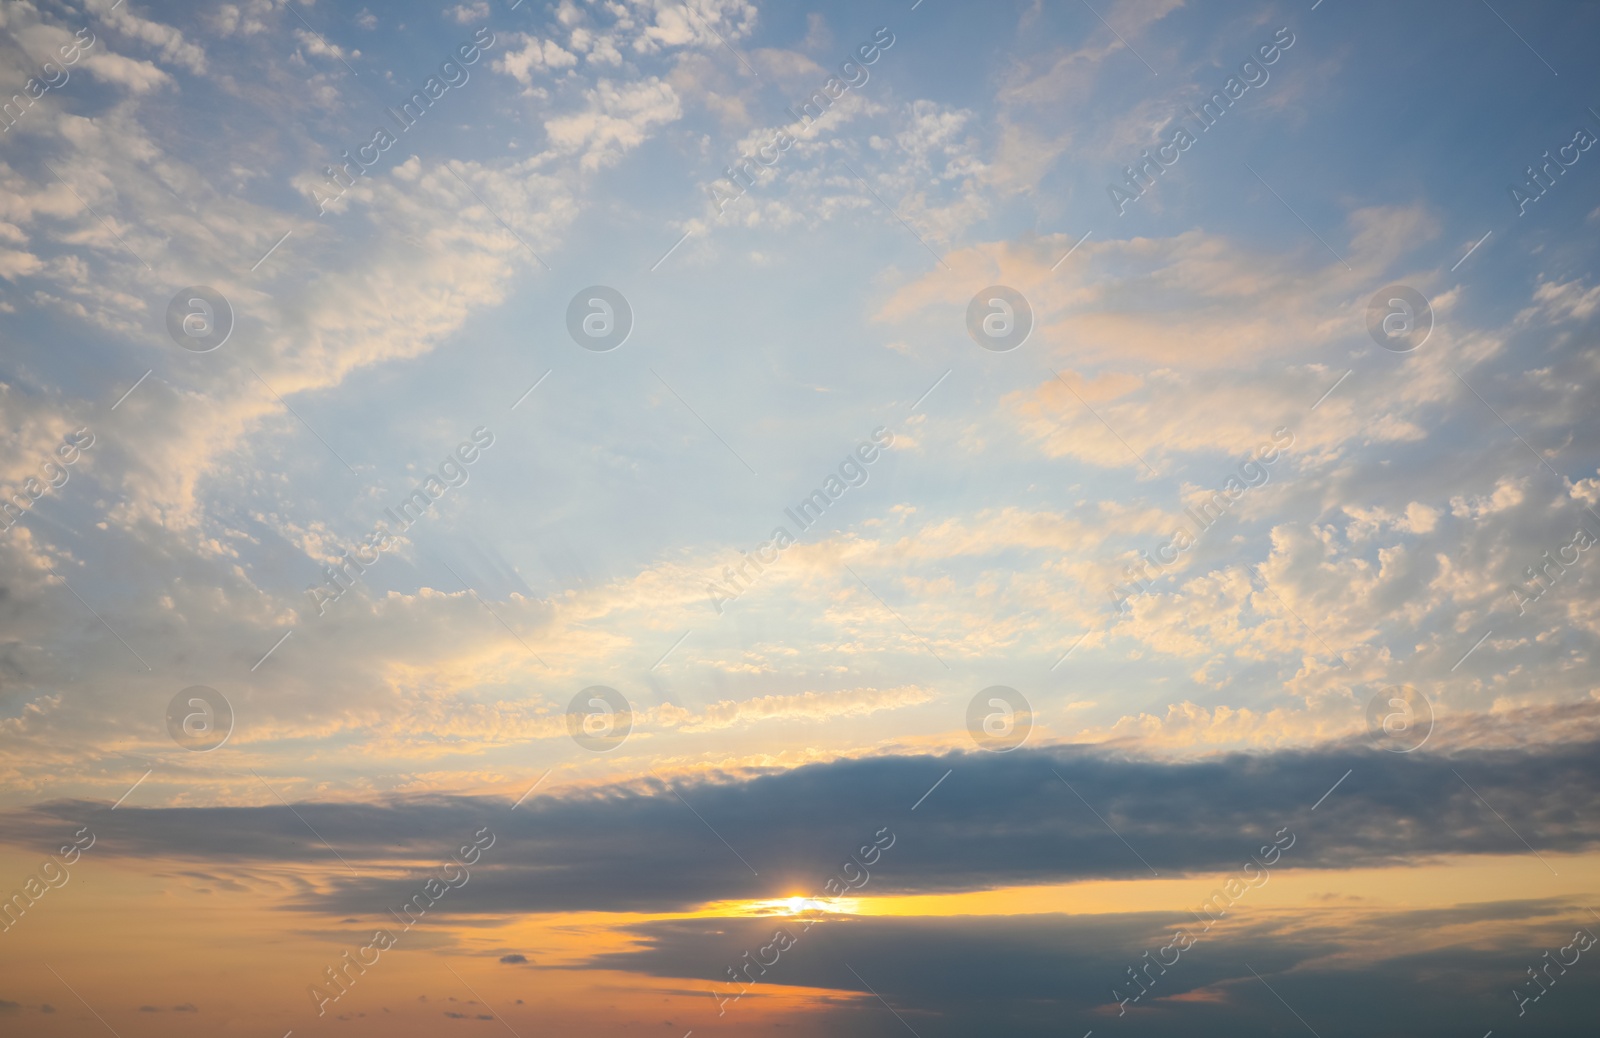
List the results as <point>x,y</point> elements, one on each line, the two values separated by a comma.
<point>321,47</point>
<point>466,14</point>
<point>535,55</point>
<point>616,119</point>
<point>241,19</point>
<point>167,40</point>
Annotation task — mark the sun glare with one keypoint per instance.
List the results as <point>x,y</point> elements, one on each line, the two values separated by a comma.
<point>795,906</point>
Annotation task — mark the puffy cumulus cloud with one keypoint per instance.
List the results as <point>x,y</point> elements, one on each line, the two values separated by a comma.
<point>403,306</point>
<point>618,36</point>
<point>34,427</point>
<point>1381,593</point>
<point>14,262</point>
<point>796,71</point>
<point>1382,568</point>
<point>466,14</point>
<point>132,74</point>
<point>924,159</point>
<point>28,35</point>
<point>665,24</point>
<point>245,19</point>
<point>933,169</point>
<point>318,46</point>
<point>1379,582</point>
<point>617,118</point>
<point>166,40</point>
<point>1562,301</point>
<point>526,55</point>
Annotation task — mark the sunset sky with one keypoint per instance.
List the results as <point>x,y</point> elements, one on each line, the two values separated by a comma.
<point>825,519</point>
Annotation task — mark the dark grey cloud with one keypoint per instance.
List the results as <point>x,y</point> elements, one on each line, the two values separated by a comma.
<point>1053,974</point>
<point>998,820</point>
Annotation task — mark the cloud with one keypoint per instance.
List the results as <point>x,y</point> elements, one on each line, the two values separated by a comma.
<point>1563,301</point>
<point>1194,301</point>
<point>134,75</point>
<point>997,821</point>
<point>1429,971</point>
<point>244,19</point>
<point>514,959</point>
<point>319,46</point>
<point>618,117</point>
<point>534,55</point>
<point>167,40</point>
<point>466,14</point>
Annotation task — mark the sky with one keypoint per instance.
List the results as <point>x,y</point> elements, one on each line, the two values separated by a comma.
<point>819,519</point>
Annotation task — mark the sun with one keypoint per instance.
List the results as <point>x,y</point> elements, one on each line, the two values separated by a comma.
<point>795,905</point>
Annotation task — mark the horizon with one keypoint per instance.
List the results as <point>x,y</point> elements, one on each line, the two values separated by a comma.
<point>718,517</point>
